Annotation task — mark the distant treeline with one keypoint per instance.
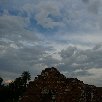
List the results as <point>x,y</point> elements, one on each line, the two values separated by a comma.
<point>14,90</point>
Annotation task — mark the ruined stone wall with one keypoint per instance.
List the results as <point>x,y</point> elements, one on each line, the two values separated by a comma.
<point>51,86</point>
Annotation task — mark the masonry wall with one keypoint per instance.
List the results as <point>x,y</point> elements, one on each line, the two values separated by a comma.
<point>52,86</point>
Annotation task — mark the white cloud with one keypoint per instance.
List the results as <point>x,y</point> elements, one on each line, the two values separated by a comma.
<point>11,22</point>
<point>79,28</point>
<point>97,73</point>
<point>44,10</point>
<point>8,81</point>
<point>74,15</point>
<point>83,38</point>
<point>74,58</point>
<point>94,78</point>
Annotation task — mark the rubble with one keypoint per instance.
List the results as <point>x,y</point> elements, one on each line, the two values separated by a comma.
<point>52,86</point>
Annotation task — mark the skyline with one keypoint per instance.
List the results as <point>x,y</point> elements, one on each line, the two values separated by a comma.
<point>66,34</point>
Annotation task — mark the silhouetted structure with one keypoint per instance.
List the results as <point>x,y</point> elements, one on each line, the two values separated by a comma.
<point>52,86</point>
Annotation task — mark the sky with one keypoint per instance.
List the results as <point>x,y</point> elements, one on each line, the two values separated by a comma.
<point>37,34</point>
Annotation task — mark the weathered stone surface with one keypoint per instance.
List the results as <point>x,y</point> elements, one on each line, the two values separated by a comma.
<point>52,86</point>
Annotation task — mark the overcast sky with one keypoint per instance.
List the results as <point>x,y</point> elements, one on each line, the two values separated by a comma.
<point>67,34</point>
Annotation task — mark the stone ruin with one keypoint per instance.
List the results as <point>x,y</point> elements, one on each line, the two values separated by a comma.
<point>52,86</point>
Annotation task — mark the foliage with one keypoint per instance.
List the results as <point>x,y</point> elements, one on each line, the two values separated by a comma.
<point>1,80</point>
<point>25,77</point>
<point>15,89</point>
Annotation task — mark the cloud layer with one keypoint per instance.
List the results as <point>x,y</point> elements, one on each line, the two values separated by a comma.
<point>45,33</point>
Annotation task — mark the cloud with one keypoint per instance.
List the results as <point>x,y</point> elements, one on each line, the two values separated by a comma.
<point>85,64</point>
<point>49,61</point>
<point>48,14</point>
<point>74,58</point>
<point>8,81</point>
<point>66,14</point>
<point>20,48</point>
<point>94,78</point>
<point>94,6</point>
<point>9,24</point>
<point>86,1</point>
<point>35,34</point>
<point>16,57</point>
<point>14,26</point>
<point>82,39</point>
<point>82,73</point>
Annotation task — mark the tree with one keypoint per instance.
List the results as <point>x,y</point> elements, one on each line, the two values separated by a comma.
<point>18,82</point>
<point>25,77</point>
<point>15,89</point>
<point>19,85</point>
<point>1,80</point>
